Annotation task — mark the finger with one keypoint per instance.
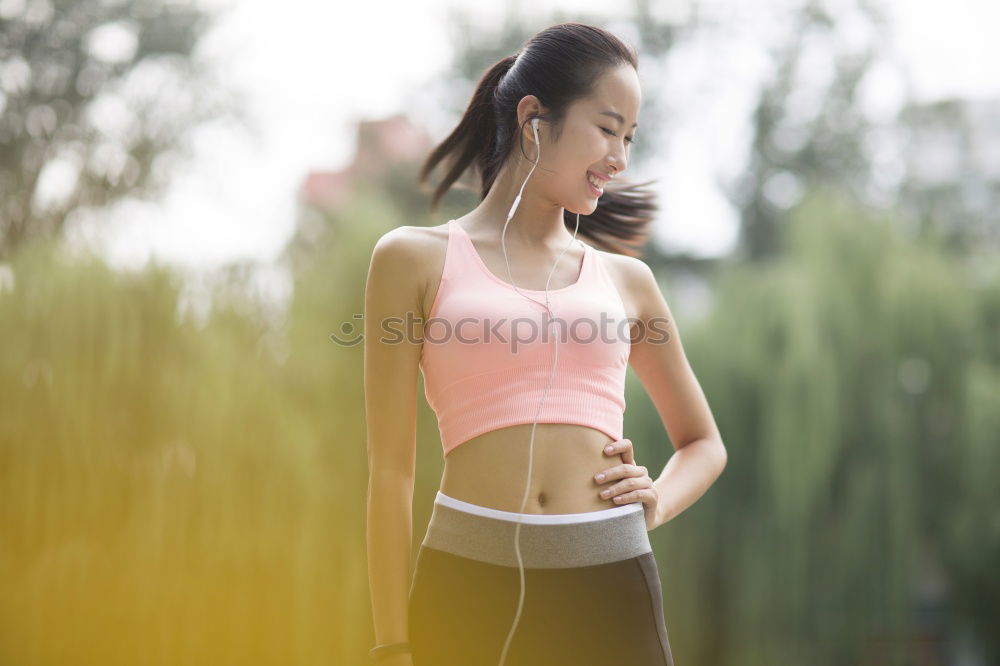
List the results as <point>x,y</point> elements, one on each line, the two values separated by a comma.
<point>627,498</point>
<point>628,455</point>
<point>610,474</point>
<point>624,447</point>
<point>620,446</point>
<point>622,471</point>
<point>624,486</point>
<point>633,496</point>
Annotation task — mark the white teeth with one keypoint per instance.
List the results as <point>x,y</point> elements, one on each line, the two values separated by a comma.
<point>595,182</point>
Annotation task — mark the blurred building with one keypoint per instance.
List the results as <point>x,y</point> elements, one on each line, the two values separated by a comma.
<point>381,145</point>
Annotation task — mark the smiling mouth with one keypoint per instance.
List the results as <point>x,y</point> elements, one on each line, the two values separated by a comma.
<point>596,191</point>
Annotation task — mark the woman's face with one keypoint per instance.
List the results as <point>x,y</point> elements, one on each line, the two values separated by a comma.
<point>593,139</point>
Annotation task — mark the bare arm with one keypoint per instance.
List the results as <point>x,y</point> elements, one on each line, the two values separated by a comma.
<point>659,361</point>
<point>390,369</point>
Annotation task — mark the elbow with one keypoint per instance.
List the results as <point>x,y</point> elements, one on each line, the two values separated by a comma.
<point>723,456</point>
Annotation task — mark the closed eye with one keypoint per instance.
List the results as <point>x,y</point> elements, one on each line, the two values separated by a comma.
<point>611,132</point>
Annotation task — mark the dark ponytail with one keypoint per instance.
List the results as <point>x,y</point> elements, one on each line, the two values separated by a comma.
<point>559,65</point>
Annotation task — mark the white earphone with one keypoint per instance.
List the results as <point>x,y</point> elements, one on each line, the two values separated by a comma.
<point>555,359</point>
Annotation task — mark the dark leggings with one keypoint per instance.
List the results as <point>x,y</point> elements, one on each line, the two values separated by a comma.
<point>592,590</point>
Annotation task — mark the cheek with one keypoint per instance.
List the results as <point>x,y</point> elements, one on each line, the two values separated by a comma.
<point>562,168</point>
<point>579,147</point>
<point>571,181</point>
<point>571,163</point>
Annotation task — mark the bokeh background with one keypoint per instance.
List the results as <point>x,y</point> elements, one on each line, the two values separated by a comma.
<point>189,197</point>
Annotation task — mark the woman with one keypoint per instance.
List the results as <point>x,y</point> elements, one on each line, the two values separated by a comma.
<point>530,557</point>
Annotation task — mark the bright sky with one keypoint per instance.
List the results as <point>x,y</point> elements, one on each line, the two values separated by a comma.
<point>311,71</point>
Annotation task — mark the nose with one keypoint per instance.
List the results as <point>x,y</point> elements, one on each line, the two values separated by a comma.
<point>618,161</point>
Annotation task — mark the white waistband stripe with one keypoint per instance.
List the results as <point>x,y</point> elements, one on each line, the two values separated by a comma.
<point>537,518</point>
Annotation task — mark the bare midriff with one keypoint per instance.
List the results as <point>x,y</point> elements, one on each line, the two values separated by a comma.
<point>491,469</point>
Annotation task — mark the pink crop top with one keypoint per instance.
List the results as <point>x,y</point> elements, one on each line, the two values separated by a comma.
<point>487,356</point>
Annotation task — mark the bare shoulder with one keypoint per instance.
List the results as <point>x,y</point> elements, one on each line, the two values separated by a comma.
<point>634,279</point>
<point>408,248</point>
<point>628,268</point>
<point>414,255</point>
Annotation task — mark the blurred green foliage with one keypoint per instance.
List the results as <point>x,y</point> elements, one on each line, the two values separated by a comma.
<point>855,381</point>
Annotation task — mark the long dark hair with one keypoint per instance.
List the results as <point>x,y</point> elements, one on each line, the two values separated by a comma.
<point>559,65</point>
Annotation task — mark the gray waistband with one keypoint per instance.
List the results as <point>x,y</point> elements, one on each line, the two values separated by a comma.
<point>542,546</point>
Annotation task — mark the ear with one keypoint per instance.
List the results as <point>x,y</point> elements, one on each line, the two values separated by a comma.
<point>529,107</point>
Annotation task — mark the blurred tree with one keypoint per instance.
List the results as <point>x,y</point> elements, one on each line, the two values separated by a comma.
<point>807,127</point>
<point>96,101</point>
<point>951,179</point>
<point>854,379</point>
<point>811,127</point>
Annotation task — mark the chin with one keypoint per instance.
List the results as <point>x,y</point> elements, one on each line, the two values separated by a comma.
<point>585,209</point>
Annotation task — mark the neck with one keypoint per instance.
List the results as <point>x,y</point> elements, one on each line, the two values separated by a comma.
<point>537,222</point>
